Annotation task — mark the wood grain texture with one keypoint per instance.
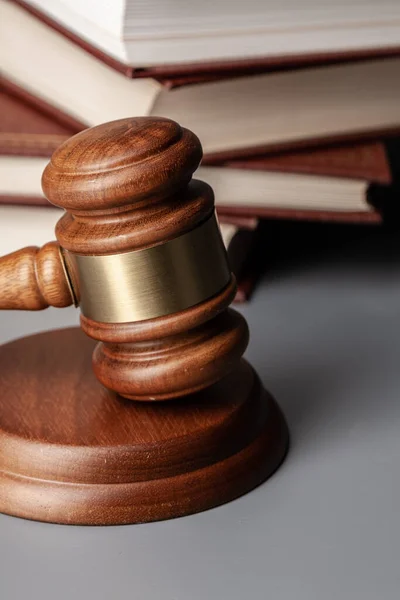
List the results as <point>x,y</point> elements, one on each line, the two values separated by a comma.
<point>33,279</point>
<point>173,366</point>
<point>129,160</point>
<point>171,356</point>
<point>127,186</point>
<point>71,452</point>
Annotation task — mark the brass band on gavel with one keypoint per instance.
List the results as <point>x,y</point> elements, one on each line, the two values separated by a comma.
<point>153,282</point>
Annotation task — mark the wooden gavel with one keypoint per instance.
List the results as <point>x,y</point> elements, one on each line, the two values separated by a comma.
<point>139,250</point>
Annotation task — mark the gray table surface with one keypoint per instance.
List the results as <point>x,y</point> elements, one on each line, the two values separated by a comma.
<point>326,526</point>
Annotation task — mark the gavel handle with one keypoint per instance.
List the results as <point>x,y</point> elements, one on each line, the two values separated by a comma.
<point>34,278</point>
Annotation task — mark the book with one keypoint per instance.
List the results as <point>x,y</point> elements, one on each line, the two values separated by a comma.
<point>30,127</point>
<point>22,226</point>
<point>262,112</point>
<point>184,73</point>
<point>30,131</point>
<point>237,191</point>
<point>159,34</point>
<point>375,161</point>
<point>288,195</point>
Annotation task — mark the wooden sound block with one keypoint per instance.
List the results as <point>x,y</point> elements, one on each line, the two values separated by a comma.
<point>73,452</point>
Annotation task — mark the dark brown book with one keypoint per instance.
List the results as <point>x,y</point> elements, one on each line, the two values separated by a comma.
<point>334,101</point>
<point>375,161</point>
<point>204,71</point>
<point>31,127</point>
<point>28,125</point>
<point>30,130</point>
<point>288,214</point>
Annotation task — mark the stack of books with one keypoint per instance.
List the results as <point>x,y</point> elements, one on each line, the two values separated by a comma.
<point>297,104</point>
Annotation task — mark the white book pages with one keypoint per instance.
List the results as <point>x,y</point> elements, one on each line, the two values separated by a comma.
<point>266,110</point>
<point>22,226</point>
<point>21,176</point>
<point>57,70</point>
<point>154,32</point>
<point>240,187</point>
<point>288,107</point>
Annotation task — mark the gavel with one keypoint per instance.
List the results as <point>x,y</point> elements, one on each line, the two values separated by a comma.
<point>139,251</point>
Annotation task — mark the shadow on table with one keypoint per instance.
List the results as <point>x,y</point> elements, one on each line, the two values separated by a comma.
<point>289,246</point>
<point>336,346</point>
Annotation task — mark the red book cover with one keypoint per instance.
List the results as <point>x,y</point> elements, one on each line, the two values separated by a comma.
<point>201,72</point>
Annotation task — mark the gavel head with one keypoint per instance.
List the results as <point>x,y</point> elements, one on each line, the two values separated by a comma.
<point>145,258</point>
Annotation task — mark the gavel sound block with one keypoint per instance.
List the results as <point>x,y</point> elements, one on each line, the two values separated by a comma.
<point>171,420</point>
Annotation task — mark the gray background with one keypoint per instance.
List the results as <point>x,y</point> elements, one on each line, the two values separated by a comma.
<point>326,341</point>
